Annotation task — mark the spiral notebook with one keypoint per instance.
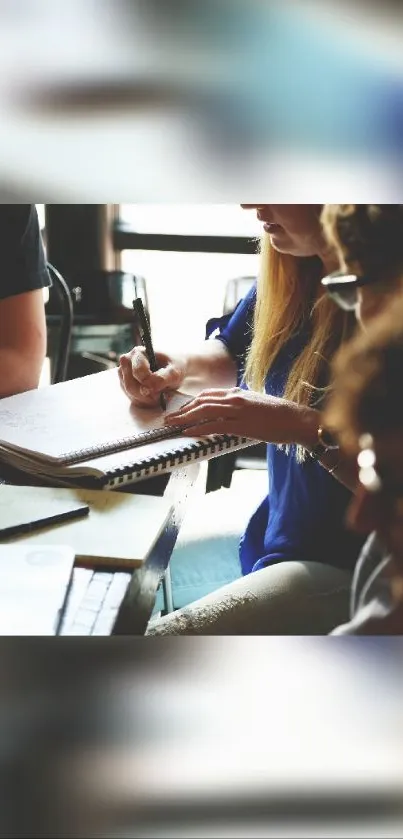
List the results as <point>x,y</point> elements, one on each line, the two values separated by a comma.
<point>85,432</point>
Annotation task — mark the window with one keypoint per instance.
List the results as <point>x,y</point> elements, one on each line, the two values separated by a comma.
<point>41,215</point>
<point>186,289</point>
<point>191,219</point>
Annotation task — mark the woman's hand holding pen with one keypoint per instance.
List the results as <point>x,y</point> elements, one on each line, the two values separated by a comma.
<point>247,414</point>
<point>144,387</point>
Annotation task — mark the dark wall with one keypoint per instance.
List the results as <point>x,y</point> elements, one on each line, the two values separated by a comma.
<point>77,237</point>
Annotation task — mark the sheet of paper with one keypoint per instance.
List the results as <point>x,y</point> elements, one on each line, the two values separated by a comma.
<point>21,506</point>
<point>34,581</point>
<point>120,530</point>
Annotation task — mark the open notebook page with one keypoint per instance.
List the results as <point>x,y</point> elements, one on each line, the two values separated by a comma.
<point>91,412</point>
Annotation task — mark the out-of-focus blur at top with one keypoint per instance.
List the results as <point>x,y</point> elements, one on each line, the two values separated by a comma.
<point>116,100</point>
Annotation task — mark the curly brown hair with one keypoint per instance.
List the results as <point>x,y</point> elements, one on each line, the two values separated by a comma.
<point>368,381</point>
<point>368,237</point>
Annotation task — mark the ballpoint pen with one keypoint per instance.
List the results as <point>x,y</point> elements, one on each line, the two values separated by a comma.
<point>146,339</point>
<point>44,522</point>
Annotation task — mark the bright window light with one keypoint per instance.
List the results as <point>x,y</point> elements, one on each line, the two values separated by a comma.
<point>186,289</point>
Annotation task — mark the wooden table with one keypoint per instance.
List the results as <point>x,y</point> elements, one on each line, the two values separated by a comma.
<point>130,599</point>
<point>138,603</point>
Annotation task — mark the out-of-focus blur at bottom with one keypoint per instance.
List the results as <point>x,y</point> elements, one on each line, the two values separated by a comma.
<point>201,737</point>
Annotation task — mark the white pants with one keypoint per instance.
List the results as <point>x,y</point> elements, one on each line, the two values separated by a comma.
<point>290,598</point>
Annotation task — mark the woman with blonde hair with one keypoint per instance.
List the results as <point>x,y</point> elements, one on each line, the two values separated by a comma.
<point>269,370</point>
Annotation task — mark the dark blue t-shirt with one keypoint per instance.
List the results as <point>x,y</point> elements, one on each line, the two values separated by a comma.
<point>22,259</point>
<point>302,517</point>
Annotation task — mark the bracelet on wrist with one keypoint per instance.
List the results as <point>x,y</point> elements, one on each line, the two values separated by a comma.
<point>334,469</point>
<point>326,443</point>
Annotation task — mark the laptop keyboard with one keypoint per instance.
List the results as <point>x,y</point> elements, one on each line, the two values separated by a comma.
<point>94,602</point>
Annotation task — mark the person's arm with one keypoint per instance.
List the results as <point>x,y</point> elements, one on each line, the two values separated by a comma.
<point>210,366</point>
<point>23,276</point>
<point>260,416</point>
<point>22,342</point>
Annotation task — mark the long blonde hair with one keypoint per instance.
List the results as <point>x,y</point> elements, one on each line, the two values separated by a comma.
<point>290,296</point>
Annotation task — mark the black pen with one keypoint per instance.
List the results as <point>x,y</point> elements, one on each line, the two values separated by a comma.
<point>146,339</point>
<point>46,521</point>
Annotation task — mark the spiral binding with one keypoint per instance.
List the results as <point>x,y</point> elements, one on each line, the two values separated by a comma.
<point>153,436</point>
<point>151,466</point>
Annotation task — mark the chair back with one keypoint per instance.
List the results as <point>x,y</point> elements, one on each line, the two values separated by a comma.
<point>59,338</point>
<point>236,289</point>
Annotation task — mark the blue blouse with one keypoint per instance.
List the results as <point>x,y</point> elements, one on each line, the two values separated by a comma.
<point>302,517</point>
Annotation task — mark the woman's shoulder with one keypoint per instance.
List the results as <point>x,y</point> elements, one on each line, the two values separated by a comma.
<point>235,328</point>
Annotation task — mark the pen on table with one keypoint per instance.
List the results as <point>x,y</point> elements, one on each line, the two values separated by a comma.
<point>146,339</point>
<point>47,521</point>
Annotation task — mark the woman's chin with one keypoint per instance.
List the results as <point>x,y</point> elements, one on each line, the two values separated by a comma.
<point>292,250</point>
<point>287,249</point>
<point>281,243</point>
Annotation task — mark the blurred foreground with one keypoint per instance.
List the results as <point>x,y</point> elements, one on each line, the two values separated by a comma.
<point>185,737</point>
<point>177,100</point>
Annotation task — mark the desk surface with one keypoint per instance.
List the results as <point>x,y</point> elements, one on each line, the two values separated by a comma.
<point>122,603</point>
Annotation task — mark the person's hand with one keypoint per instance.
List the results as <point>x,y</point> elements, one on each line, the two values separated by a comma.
<point>247,414</point>
<point>143,387</point>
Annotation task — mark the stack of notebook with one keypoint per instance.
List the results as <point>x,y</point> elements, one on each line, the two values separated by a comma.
<point>86,433</point>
